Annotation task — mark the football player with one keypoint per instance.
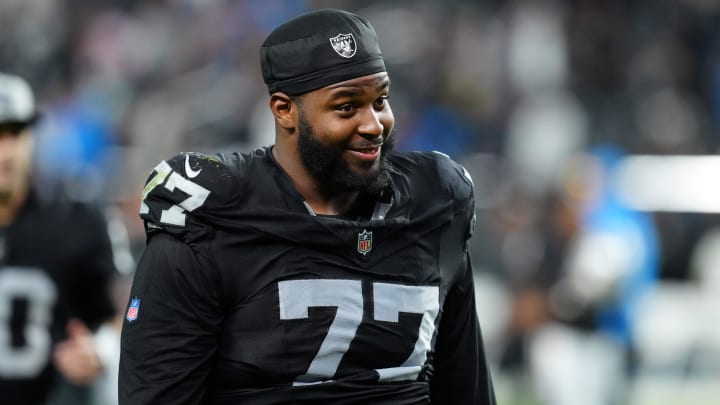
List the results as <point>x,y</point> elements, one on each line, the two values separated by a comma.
<point>55,269</point>
<point>323,269</point>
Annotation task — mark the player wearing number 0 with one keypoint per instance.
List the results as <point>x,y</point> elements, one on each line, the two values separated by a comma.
<point>323,269</point>
<point>55,269</point>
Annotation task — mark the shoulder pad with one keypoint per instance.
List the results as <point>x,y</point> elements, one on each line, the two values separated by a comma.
<point>186,183</point>
<point>439,170</point>
<point>453,175</point>
<point>433,176</point>
<point>460,184</point>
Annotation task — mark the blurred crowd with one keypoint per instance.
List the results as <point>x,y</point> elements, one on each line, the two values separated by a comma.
<point>583,299</point>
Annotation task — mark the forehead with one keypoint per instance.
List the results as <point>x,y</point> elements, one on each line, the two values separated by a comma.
<point>359,86</point>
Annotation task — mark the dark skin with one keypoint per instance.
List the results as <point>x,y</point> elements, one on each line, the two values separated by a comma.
<point>354,114</point>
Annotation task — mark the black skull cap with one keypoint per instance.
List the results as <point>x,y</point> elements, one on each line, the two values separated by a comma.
<point>318,49</point>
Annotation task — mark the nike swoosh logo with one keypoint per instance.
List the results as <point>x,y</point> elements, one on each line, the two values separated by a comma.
<point>188,170</point>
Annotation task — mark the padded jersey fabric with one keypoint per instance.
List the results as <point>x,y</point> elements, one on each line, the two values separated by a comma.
<point>245,297</point>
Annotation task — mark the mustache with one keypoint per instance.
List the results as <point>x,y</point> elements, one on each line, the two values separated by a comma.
<point>367,143</point>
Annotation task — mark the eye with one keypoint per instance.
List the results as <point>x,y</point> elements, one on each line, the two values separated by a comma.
<point>381,101</point>
<point>346,108</point>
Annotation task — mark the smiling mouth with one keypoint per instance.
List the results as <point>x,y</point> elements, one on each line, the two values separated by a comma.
<point>366,149</point>
<point>366,152</point>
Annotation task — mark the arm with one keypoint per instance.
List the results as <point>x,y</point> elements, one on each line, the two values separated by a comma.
<point>167,351</point>
<point>89,300</point>
<point>93,267</point>
<point>461,373</point>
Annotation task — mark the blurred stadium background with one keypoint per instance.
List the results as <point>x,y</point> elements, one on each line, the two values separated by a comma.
<point>591,129</point>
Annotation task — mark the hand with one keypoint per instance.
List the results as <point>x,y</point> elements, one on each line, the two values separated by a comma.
<point>76,357</point>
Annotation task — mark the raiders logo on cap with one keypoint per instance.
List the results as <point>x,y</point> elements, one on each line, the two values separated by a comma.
<point>344,45</point>
<point>295,58</point>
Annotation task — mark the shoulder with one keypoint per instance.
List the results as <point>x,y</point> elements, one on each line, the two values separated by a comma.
<point>67,231</point>
<point>212,172</point>
<point>435,171</point>
<point>58,211</point>
<point>192,182</point>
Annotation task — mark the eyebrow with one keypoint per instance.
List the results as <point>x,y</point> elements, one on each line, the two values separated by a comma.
<point>351,91</point>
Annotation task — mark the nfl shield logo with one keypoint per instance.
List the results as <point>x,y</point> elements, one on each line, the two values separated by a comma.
<point>132,312</point>
<point>344,45</point>
<point>364,242</point>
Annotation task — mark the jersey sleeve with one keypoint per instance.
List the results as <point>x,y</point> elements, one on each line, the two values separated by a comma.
<point>458,184</point>
<point>171,327</point>
<point>186,192</point>
<point>461,373</point>
<point>94,269</point>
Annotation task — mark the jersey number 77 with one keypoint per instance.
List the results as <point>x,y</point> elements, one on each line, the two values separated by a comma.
<point>296,296</point>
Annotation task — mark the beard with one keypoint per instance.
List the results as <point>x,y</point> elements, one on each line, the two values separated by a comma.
<point>332,172</point>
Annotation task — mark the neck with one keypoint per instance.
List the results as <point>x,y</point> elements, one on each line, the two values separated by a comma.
<point>320,200</point>
<point>339,204</point>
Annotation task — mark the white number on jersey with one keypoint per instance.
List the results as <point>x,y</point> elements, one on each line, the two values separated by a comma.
<point>34,286</point>
<point>175,215</point>
<point>296,296</point>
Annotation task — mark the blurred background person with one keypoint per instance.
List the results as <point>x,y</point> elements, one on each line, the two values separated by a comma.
<point>608,262</point>
<point>56,266</point>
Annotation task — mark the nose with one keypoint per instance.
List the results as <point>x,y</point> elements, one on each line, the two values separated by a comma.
<point>371,124</point>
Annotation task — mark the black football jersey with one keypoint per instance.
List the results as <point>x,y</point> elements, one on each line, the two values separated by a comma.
<point>243,295</point>
<point>55,264</point>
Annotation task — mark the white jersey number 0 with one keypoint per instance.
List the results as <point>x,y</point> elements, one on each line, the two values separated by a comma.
<point>38,290</point>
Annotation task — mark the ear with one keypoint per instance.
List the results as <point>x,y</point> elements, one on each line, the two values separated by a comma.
<point>284,110</point>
